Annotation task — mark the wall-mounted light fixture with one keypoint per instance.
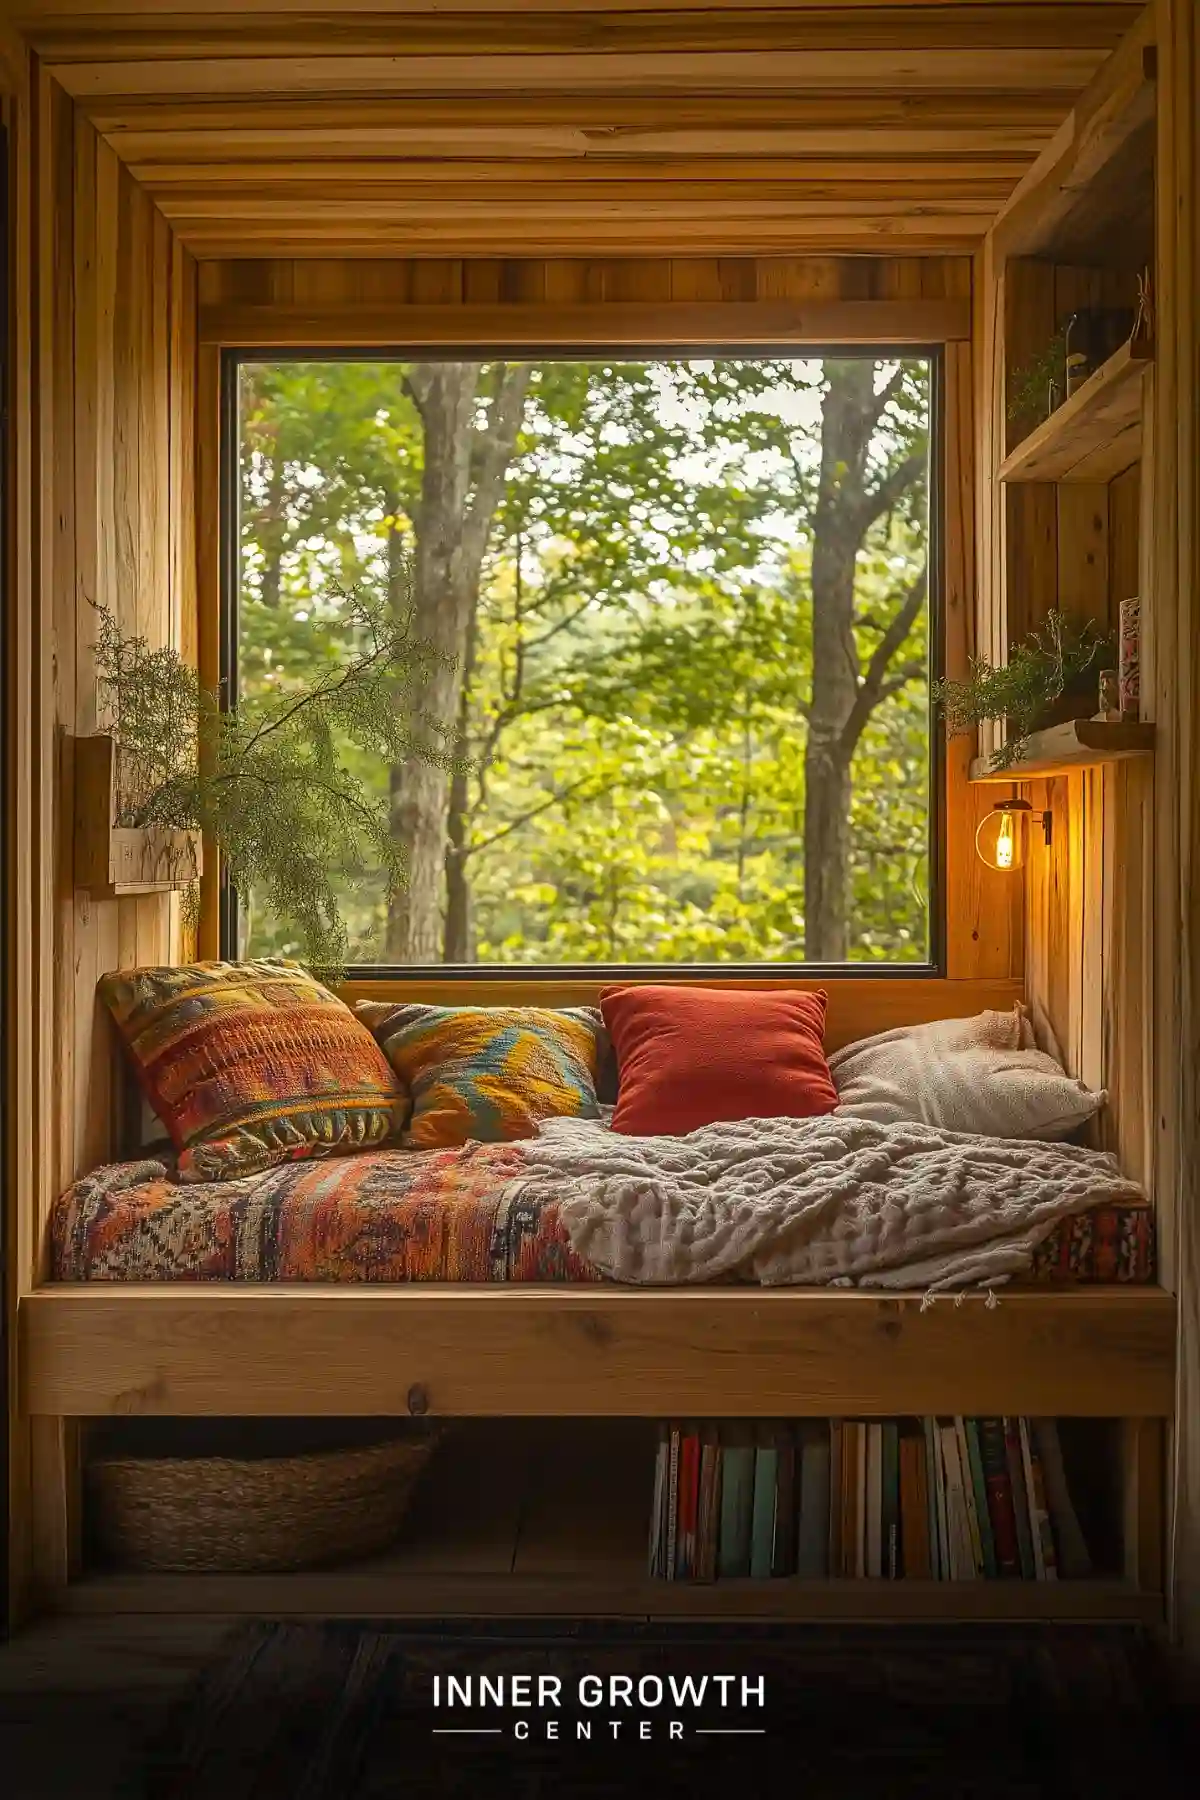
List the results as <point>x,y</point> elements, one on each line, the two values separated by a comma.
<point>1002,834</point>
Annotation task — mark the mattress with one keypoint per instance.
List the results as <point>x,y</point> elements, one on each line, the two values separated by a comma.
<point>406,1215</point>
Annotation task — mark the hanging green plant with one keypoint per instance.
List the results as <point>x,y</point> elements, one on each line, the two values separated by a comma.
<point>265,779</point>
<point>1056,665</point>
<point>1038,386</point>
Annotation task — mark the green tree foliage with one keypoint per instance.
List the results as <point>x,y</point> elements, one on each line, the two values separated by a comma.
<point>638,672</point>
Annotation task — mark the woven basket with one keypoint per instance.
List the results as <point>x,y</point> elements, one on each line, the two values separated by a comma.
<point>226,1514</point>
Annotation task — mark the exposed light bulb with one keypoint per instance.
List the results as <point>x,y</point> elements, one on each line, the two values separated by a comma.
<point>1005,846</point>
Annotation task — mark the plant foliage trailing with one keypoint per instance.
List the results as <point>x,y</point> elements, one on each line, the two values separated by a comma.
<point>1040,670</point>
<point>1029,385</point>
<point>266,781</point>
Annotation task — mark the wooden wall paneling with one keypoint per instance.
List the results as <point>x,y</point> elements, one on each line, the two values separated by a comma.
<point>983,917</point>
<point>988,309</point>
<point>29,1156</point>
<point>91,1135</point>
<point>56,477</point>
<point>206,438</point>
<point>1124,532</point>
<point>1174,599</point>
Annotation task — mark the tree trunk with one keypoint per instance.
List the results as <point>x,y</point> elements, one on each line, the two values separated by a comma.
<point>459,945</point>
<point>843,694</point>
<point>848,407</point>
<point>461,481</point>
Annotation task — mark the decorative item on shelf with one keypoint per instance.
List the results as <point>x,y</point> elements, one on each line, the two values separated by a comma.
<point>114,857</point>
<point>1001,836</point>
<point>1143,323</point>
<point>1129,664</point>
<point>268,782</point>
<point>1049,679</point>
<point>1080,360</point>
<point>1110,696</point>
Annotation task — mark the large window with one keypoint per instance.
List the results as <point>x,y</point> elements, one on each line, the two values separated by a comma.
<point>687,605</point>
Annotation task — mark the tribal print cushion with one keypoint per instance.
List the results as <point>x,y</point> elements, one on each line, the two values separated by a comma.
<point>488,1073</point>
<point>252,1064</point>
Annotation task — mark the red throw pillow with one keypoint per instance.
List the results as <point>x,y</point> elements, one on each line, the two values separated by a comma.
<point>689,1056</point>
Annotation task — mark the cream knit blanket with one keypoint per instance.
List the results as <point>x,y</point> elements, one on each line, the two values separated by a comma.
<point>813,1201</point>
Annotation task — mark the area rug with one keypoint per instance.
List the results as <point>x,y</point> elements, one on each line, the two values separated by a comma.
<point>357,1712</point>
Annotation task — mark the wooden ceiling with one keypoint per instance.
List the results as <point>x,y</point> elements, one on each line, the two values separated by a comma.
<point>424,128</point>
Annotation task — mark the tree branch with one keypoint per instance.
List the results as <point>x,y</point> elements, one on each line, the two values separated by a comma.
<point>882,498</point>
<point>870,688</point>
<point>494,451</point>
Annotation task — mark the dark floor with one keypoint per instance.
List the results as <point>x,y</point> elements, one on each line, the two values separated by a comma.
<point>78,1697</point>
<point>249,1712</point>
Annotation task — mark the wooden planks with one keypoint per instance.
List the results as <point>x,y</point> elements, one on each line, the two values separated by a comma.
<point>615,1589</point>
<point>1090,194</point>
<point>712,129</point>
<point>97,1350</point>
<point>677,325</point>
<point>1094,435</point>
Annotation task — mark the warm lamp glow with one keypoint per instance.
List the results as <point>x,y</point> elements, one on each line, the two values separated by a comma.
<point>1000,839</point>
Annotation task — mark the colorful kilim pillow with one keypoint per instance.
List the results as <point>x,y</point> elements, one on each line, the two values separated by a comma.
<point>487,1072</point>
<point>251,1064</point>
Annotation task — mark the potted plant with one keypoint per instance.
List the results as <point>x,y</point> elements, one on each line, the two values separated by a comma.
<point>1050,677</point>
<point>267,780</point>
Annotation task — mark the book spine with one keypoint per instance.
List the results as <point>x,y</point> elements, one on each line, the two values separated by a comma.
<point>890,1506</point>
<point>998,1484</point>
<point>987,1542</point>
<point>860,1500</point>
<point>763,1525</point>
<point>958,1530</point>
<point>968,1492</point>
<point>1041,1511</point>
<point>1031,1493</point>
<point>874,1534</point>
<point>914,1508</point>
<point>689,1479</point>
<point>737,1482</point>
<point>851,1540</point>
<point>672,1503</point>
<point>1016,1476</point>
<point>783,1541</point>
<point>937,1502</point>
<point>655,1561</point>
<point>833,1556</point>
<point>816,1510</point>
<point>706,1534</point>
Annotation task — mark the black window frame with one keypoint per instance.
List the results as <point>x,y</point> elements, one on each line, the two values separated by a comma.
<point>933,968</point>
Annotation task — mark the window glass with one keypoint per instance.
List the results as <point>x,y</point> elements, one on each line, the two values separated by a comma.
<point>685,610</point>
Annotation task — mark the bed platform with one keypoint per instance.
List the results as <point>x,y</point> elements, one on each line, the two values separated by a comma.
<point>93,1350</point>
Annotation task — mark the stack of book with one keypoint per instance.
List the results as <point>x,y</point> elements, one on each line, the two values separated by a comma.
<point>927,1499</point>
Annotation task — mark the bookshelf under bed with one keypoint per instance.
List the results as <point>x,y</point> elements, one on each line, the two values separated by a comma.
<point>552,1517</point>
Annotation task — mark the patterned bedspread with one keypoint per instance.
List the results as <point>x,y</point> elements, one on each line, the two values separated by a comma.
<point>408,1215</point>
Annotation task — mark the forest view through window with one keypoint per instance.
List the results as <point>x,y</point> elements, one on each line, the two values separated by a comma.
<point>685,603</point>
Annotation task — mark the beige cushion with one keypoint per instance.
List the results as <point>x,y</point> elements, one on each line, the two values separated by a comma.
<point>982,1075</point>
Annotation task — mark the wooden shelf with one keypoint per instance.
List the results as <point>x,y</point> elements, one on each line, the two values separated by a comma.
<point>563,1534</point>
<point>1089,197</point>
<point>1081,744</point>
<point>113,860</point>
<point>1095,434</point>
